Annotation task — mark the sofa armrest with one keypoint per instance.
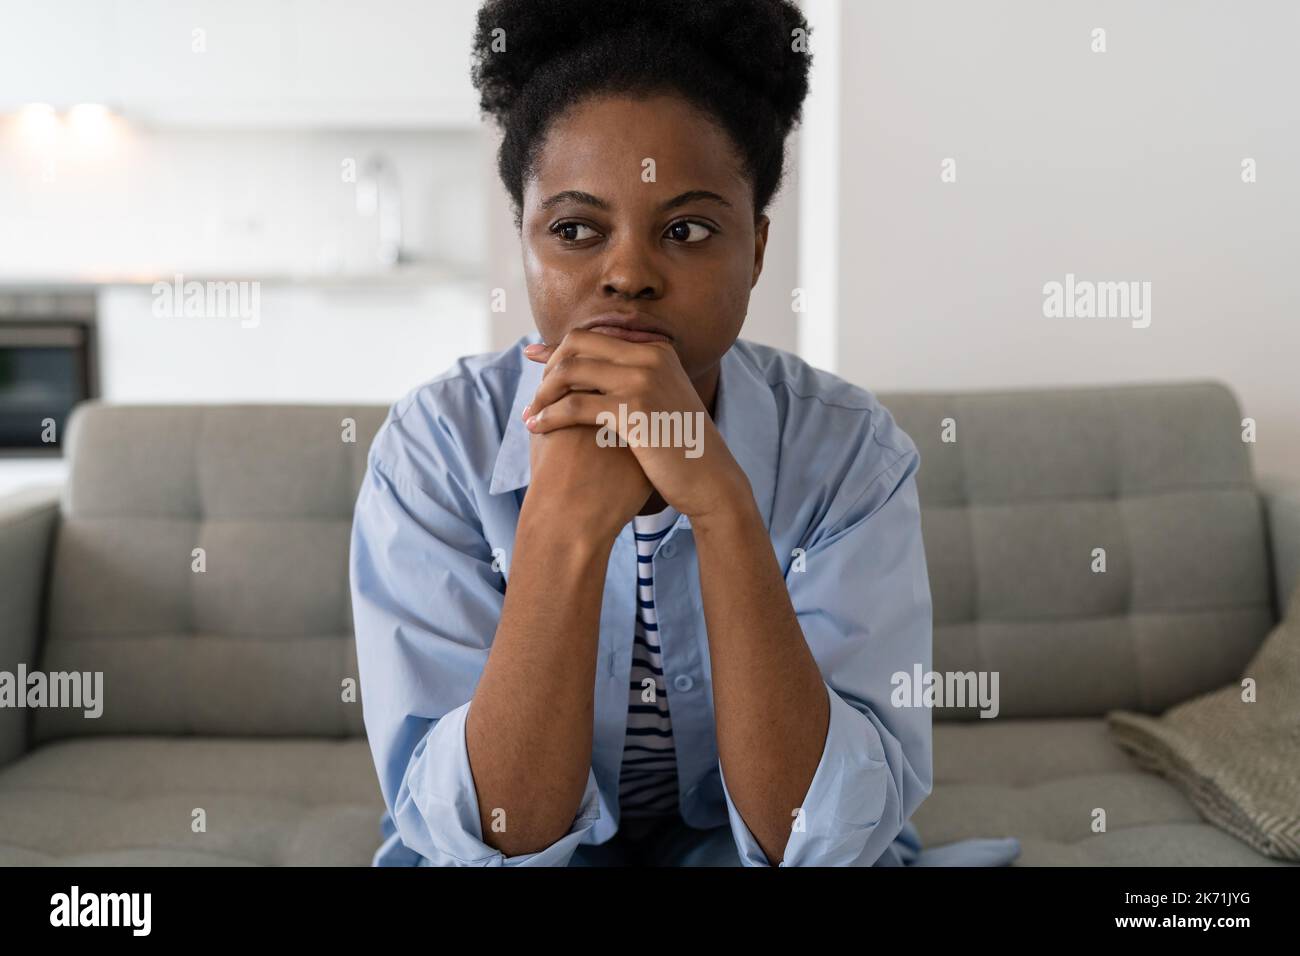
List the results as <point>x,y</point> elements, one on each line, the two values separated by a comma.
<point>1282,502</point>
<point>27,522</point>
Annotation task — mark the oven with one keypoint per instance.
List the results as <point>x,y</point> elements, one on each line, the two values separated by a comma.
<point>47,366</point>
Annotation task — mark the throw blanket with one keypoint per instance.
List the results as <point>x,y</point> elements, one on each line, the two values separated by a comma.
<point>1238,762</point>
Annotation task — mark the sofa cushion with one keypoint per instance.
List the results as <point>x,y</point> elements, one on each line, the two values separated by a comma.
<point>129,801</point>
<point>121,801</point>
<point>259,641</point>
<point>1040,780</point>
<point>1014,508</point>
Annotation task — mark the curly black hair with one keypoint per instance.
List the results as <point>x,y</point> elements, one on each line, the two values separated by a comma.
<point>745,62</point>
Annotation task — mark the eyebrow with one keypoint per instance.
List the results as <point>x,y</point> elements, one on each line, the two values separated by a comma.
<point>587,199</point>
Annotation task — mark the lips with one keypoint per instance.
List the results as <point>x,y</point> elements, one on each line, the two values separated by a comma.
<point>629,335</point>
<point>629,326</point>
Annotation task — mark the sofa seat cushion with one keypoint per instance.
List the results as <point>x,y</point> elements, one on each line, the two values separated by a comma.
<point>122,801</point>
<point>1040,780</point>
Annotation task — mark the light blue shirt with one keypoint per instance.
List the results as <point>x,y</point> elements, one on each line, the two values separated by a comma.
<point>834,480</point>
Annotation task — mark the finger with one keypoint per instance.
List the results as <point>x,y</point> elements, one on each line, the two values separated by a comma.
<point>576,373</point>
<point>575,408</point>
<point>596,345</point>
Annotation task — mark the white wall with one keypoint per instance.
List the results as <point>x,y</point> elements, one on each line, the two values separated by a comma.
<point>1123,165</point>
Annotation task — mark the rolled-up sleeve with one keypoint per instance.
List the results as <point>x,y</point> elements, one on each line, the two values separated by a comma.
<point>426,600</point>
<point>863,603</point>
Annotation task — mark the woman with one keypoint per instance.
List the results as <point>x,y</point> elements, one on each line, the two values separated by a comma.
<point>731,705</point>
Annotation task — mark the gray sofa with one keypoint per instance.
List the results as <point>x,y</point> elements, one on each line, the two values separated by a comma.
<point>226,693</point>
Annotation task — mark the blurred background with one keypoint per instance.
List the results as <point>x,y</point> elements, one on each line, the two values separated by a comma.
<point>953,159</point>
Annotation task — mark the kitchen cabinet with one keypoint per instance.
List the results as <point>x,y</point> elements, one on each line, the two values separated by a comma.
<point>283,64</point>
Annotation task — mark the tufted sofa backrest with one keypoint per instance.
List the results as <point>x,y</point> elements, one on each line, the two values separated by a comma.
<point>259,641</point>
<point>1023,493</point>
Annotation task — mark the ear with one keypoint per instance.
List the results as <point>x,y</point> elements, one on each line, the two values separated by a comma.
<point>760,247</point>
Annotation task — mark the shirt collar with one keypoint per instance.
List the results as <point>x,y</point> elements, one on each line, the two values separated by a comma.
<point>746,418</point>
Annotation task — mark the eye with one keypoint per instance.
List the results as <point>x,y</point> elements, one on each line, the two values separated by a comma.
<point>688,230</point>
<point>569,231</point>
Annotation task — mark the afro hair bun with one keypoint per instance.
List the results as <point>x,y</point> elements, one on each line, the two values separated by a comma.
<point>753,40</point>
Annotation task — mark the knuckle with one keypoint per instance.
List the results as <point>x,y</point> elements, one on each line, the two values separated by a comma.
<point>559,410</point>
<point>561,352</point>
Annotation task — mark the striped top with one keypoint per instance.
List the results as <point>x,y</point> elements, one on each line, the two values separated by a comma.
<point>648,778</point>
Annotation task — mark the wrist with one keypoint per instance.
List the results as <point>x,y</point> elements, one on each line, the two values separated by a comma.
<point>560,548</point>
<point>734,511</point>
<point>572,526</point>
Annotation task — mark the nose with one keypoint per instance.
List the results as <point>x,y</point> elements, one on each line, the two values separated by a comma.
<point>629,270</point>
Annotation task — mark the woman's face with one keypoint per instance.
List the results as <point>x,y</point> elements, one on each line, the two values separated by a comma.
<point>640,206</point>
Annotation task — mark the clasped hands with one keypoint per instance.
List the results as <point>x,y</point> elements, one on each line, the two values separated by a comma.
<point>599,380</point>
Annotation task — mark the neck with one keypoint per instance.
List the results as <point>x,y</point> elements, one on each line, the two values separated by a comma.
<point>706,386</point>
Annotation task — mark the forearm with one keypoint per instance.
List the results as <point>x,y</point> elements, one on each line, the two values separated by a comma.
<point>770,702</point>
<point>529,726</point>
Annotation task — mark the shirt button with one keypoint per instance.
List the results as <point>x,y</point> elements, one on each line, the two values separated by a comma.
<point>683,682</point>
<point>668,550</point>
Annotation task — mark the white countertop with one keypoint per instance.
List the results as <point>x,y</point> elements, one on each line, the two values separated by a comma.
<point>17,473</point>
